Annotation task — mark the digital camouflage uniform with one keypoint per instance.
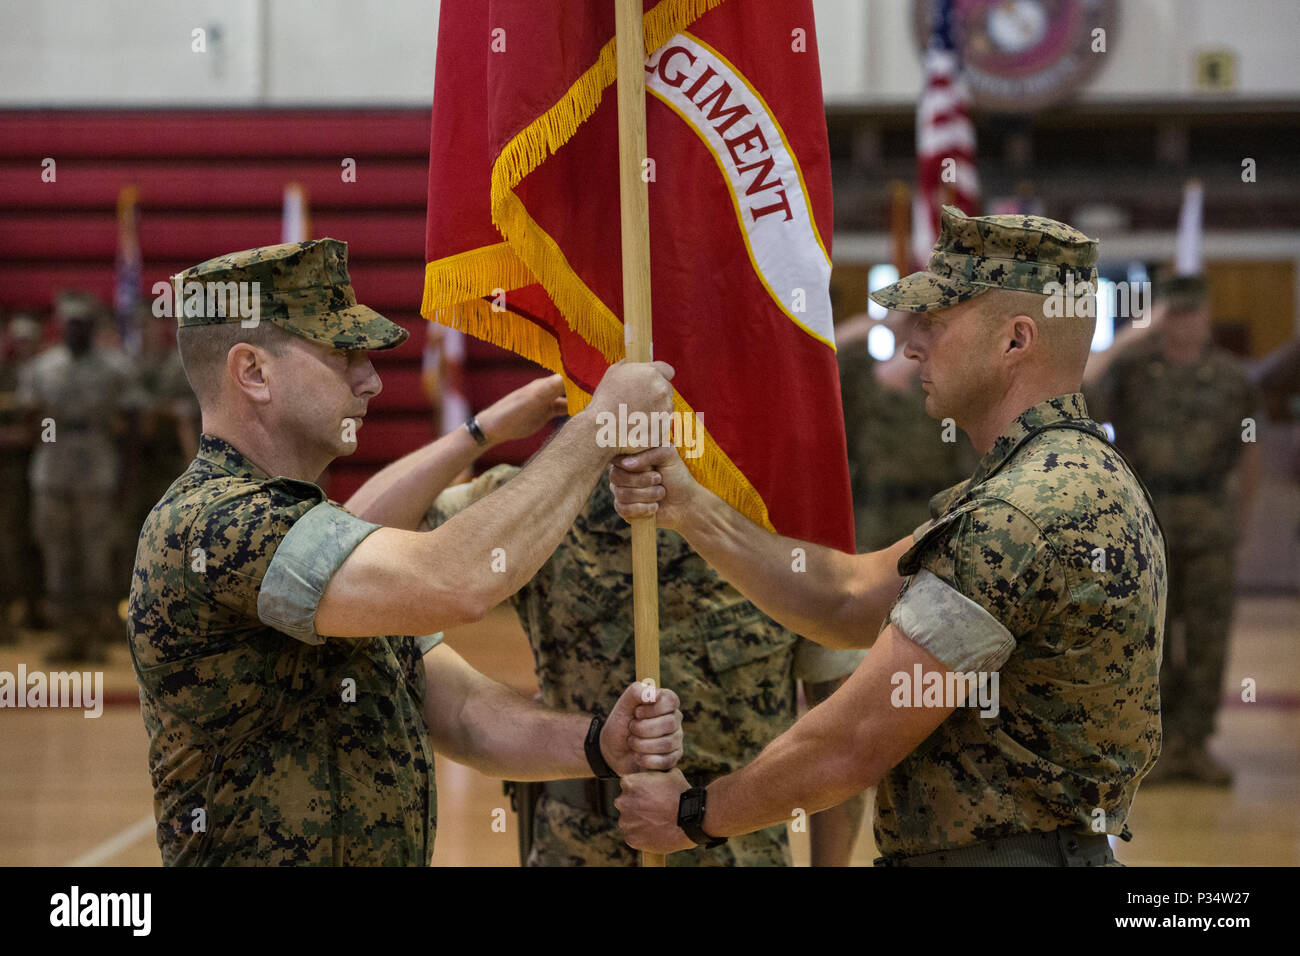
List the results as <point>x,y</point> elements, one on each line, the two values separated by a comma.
<point>897,458</point>
<point>733,668</point>
<point>19,558</point>
<point>161,456</point>
<point>74,483</point>
<point>1077,649</point>
<point>296,749</point>
<point>1048,567</point>
<point>1181,426</point>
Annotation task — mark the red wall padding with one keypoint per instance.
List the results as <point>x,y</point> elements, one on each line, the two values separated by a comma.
<point>211,182</point>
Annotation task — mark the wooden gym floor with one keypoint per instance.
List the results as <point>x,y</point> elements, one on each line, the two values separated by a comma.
<point>75,791</point>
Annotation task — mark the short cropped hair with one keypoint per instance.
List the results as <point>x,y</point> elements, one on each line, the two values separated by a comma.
<point>204,349</point>
<point>1067,337</point>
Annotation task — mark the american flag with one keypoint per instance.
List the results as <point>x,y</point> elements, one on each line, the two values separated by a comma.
<point>945,136</point>
<point>127,269</point>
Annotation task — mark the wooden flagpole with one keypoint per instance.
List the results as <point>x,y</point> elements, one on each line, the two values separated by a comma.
<point>634,216</point>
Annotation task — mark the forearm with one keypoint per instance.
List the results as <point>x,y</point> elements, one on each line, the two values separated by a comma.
<point>505,734</point>
<point>399,494</point>
<point>499,542</point>
<point>403,582</point>
<point>830,597</point>
<point>833,833</point>
<point>813,767</point>
<point>495,729</point>
<point>833,753</point>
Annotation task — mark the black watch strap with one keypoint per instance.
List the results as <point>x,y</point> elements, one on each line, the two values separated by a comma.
<point>596,759</point>
<point>690,817</point>
<point>471,423</point>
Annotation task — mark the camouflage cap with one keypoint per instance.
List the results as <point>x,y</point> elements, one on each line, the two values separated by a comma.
<point>303,287</point>
<point>976,253</point>
<point>75,305</point>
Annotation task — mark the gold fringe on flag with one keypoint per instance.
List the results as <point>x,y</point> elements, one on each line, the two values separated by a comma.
<point>456,288</point>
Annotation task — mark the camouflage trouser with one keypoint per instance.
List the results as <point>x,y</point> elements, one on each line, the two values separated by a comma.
<point>1199,618</point>
<point>567,836</point>
<point>73,529</point>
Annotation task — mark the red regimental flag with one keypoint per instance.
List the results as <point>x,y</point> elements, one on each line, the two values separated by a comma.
<point>523,244</point>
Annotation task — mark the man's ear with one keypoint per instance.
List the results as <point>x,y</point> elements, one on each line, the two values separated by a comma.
<point>246,366</point>
<point>1021,333</point>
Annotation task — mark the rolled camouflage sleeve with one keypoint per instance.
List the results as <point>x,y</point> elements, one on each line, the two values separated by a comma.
<point>981,582</point>
<point>312,550</point>
<point>267,555</point>
<point>957,631</point>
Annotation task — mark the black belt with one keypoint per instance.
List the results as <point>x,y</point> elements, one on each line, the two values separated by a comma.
<point>1063,847</point>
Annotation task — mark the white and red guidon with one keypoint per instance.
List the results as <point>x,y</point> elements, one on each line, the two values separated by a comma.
<point>767,189</point>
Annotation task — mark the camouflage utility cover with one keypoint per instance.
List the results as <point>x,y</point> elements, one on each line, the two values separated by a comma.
<point>303,287</point>
<point>1078,722</point>
<point>250,726</point>
<point>976,253</point>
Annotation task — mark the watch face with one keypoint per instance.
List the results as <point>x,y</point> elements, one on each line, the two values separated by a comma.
<point>1022,55</point>
<point>692,802</point>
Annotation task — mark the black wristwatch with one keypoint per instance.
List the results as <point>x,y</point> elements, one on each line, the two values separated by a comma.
<point>596,759</point>
<point>690,817</point>
<point>471,424</point>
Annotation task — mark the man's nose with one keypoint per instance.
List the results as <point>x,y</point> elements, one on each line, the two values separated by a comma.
<point>911,348</point>
<point>368,383</point>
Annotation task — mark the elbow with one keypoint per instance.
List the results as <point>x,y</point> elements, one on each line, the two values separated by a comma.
<point>844,628</point>
<point>826,637</point>
<point>471,606</point>
<point>863,764</point>
<point>855,778</point>
<point>845,775</point>
<point>440,610</point>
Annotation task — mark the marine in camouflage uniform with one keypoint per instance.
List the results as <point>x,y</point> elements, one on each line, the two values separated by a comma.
<point>1075,728</point>
<point>268,742</point>
<point>1054,537</point>
<point>19,556</point>
<point>83,393</point>
<point>1047,567</point>
<point>1181,424</point>
<point>734,667</point>
<point>256,754</point>
<point>897,456</point>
